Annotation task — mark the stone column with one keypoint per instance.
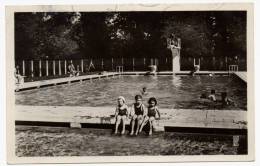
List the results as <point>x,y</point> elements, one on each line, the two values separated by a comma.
<point>59,68</point>
<point>23,68</point>
<point>40,68</point>
<point>82,66</point>
<point>32,68</point>
<point>47,68</point>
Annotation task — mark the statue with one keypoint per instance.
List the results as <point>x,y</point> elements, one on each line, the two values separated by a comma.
<point>174,44</point>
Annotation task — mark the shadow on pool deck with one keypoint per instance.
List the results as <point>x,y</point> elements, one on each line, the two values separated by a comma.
<point>46,141</point>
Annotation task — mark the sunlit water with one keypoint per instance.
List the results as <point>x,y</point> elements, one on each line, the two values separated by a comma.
<point>170,91</point>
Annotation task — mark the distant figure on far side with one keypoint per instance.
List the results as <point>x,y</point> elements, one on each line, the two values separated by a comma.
<point>72,71</point>
<point>19,79</point>
<point>153,70</point>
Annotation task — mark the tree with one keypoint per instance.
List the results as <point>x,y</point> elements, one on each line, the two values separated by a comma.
<point>192,28</point>
<point>43,35</point>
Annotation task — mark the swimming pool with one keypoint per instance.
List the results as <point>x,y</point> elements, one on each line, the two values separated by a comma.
<point>171,91</point>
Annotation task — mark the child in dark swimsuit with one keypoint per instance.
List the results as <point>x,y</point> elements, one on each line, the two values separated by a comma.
<point>152,111</point>
<point>137,113</point>
<point>121,113</point>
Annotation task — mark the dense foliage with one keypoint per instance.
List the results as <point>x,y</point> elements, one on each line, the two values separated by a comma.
<point>128,34</point>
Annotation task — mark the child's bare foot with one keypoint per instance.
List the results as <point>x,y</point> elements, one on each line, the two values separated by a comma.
<point>131,133</point>
<point>123,132</point>
<point>136,133</point>
<point>150,132</point>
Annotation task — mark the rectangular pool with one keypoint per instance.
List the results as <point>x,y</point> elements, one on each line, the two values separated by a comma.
<point>171,92</point>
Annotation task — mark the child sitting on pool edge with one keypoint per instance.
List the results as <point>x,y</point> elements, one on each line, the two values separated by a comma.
<point>152,113</point>
<point>137,113</point>
<point>121,113</point>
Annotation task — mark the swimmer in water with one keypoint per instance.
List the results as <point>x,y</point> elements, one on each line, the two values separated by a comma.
<point>225,100</point>
<point>144,91</point>
<point>212,95</point>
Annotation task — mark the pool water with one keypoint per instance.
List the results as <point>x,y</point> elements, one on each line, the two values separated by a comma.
<point>54,141</point>
<point>171,92</point>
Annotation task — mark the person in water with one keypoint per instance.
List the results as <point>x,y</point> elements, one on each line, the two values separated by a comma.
<point>212,95</point>
<point>121,113</point>
<point>137,113</point>
<point>144,91</point>
<point>152,113</point>
<point>225,100</point>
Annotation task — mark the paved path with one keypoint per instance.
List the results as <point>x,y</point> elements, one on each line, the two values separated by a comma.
<point>242,75</point>
<point>209,119</point>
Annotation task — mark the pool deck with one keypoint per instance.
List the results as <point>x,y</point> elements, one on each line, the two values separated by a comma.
<point>66,80</point>
<point>209,121</point>
<point>242,75</point>
<point>177,73</point>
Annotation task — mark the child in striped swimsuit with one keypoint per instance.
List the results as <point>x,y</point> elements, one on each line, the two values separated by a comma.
<point>137,113</point>
<point>151,114</point>
<point>121,113</point>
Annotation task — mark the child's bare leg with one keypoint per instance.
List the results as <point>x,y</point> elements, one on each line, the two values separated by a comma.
<point>133,125</point>
<point>139,121</point>
<point>118,119</point>
<point>150,131</point>
<point>143,124</point>
<point>123,121</point>
<point>151,121</point>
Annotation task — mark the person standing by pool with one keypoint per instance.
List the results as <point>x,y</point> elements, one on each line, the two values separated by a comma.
<point>18,78</point>
<point>121,113</point>
<point>72,71</point>
<point>137,113</point>
<point>152,113</point>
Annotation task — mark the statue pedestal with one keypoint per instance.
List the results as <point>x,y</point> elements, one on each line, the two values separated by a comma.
<point>176,67</point>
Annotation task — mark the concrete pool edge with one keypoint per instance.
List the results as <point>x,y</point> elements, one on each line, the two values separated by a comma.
<point>64,80</point>
<point>234,121</point>
<point>68,80</point>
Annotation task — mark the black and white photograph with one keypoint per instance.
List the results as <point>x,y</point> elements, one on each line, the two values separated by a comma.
<point>121,81</point>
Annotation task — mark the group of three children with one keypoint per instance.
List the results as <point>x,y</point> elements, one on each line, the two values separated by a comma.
<point>138,113</point>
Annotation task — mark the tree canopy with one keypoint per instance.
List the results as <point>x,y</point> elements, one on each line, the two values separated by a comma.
<point>63,35</point>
